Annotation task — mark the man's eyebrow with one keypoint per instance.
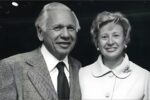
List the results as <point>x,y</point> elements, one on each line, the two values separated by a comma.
<point>71,25</point>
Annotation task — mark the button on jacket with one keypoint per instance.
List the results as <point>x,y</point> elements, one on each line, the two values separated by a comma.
<point>128,81</point>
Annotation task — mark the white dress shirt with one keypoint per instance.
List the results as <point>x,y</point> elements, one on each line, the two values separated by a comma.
<point>128,81</point>
<point>51,63</point>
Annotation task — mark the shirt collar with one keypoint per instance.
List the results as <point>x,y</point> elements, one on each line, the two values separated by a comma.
<point>121,71</point>
<point>52,61</point>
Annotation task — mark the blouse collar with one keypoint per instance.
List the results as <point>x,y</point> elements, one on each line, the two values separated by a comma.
<point>122,71</point>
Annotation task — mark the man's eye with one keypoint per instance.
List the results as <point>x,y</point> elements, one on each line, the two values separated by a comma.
<point>57,28</point>
<point>71,28</point>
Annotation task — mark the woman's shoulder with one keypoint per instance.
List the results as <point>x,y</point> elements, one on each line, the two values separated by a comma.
<point>87,69</point>
<point>137,69</point>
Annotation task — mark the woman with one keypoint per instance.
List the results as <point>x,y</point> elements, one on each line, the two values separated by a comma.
<point>113,76</point>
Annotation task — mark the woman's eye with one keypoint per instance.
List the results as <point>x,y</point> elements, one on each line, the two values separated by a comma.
<point>116,35</point>
<point>103,37</point>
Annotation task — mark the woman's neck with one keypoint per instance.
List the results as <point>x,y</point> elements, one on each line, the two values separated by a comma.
<point>113,63</point>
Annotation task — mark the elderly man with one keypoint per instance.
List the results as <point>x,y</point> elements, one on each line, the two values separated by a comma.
<point>47,73</point>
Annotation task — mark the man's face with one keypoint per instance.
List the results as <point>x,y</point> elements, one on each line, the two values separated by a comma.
<point>60,35</point>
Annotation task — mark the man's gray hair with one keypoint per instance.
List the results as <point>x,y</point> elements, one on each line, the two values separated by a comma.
<point>41,19</point>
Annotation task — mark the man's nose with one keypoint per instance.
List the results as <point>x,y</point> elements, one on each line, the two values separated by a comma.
<point>65,32</point>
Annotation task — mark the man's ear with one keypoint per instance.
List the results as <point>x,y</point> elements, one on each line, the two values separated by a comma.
<point>39,33</point>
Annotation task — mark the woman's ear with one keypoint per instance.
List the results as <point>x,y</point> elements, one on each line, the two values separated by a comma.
<point>39,33</point>
<point>97,46</point>
<point>125,45</point>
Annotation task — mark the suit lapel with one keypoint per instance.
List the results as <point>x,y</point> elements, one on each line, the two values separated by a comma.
<point>40,78</point>
<point>75,93</point>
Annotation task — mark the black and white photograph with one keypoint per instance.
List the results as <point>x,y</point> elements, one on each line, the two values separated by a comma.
<point>74,50</point>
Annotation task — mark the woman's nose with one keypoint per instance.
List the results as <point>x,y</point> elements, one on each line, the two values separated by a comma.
<point>110,41</point>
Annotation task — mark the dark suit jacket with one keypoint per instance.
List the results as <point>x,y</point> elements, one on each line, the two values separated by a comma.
<point>26,77</point>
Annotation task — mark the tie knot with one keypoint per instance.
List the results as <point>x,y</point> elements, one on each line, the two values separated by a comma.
<point>60,66</point>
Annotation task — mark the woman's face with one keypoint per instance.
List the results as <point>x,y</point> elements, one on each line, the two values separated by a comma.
<point>111,41</point>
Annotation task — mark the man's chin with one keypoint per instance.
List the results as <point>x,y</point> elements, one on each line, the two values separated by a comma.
<point>64,51</point>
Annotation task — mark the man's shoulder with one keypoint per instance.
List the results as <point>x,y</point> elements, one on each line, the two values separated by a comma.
<point>19,57</point>
<point>74,61</point>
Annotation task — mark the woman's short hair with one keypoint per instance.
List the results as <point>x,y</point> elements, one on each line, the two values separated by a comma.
<point>41,20</point>
<point>106,17</point>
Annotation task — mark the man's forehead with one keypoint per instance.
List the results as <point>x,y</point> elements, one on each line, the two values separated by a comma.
<point>60,13</point>
<point>59,16</point>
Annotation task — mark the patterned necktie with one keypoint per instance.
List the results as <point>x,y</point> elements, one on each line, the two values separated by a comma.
<point>62,83</point>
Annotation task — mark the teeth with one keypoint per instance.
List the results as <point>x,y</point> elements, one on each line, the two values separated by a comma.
<point>110,49</point>
<point>64,44</point>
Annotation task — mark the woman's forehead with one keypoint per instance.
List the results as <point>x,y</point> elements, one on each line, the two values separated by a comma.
<point>111,25</point>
